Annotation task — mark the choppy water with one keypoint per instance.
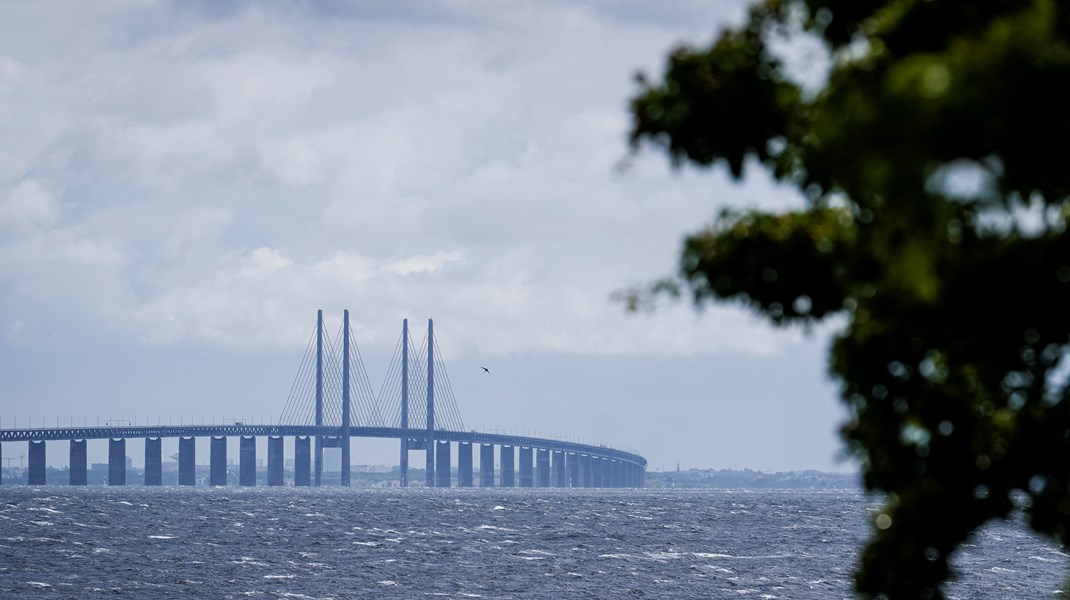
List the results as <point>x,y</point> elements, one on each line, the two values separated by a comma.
<point>60,542</point>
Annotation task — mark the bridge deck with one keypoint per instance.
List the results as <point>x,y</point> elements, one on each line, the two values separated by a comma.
<point>161,431</point>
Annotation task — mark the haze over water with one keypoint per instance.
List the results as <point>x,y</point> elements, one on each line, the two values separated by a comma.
<point>63,542</point>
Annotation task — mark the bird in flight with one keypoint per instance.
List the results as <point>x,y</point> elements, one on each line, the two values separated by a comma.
<point>485,369</point>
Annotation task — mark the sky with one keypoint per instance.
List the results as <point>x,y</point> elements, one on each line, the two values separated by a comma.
<point>183,185</point>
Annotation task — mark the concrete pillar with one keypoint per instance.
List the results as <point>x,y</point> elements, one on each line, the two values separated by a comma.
<point>153,461</point>
<point>36,476</point>
<point>117,461</point>
<point>526,476</point>
<point>36,463</point>
<point>319,397</point>
<point>187,461</point>
<point>429,463</point>
<point>217,458</point>
<point>642,477</point>
<point>302,461</point>
<point>559,469</point>
<point>78,462</point>
<point>486,465</point>
<point>247,461</point>
<point>431,405</point>
<point>587,468</point>
<point>347,469</point>
<point>404,464</point>
<point>542,457</point>
<point>572,460</point>
<point>596,471</point>
<point>442,464</point>
<point>276,462</point>
<point>464,464</point>
<point>508,476</point>
<point>1,464</point>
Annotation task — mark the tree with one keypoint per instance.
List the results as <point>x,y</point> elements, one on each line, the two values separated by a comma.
<point>934,164</point>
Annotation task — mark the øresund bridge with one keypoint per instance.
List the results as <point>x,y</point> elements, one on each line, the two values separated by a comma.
<point>330,403</point>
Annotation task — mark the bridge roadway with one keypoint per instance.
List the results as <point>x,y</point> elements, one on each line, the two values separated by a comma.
<point>574,465</point>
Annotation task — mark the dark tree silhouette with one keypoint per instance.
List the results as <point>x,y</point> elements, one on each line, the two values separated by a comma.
<point>934,160</point>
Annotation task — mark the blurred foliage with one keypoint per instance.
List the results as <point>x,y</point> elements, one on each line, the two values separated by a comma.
<point>934,163</point>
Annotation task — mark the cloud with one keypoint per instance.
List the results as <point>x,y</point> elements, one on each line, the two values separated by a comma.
<point>225,174</point>
<point>263,263</point>
<point>28,205</point>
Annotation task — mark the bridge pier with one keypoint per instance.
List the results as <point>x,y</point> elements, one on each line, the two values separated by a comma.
<point>36,476</point>
<point>526,476</point>
<point>442,464</point>
<point>572,462</point>
<point>302,461</point>
<point>217,470</point>
<point>116,461</point>
<point>507,466</point>
<point>403,464</point>
<point>596,471</point>
<point>542,458</point>
<point>559,469</point>
<point>429,462</point>
<point>78,462</point>
<point>587,470</point>
<point>187,461</point>
<point>247,461</point>
<point>153,461</point>
<point>276,462</point>
<point>464,464</point>
<point>486,465</point>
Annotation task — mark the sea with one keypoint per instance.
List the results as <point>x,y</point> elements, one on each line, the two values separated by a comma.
<point>338,543</point>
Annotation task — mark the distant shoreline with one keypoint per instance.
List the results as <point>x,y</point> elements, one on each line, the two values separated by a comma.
<point>747,478</point>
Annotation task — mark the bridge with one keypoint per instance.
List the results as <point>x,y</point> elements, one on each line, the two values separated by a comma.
<point>331,402</point>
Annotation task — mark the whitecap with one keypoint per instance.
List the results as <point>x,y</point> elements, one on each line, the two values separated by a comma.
<point>38,584</point>
<point>665,555</point>
<point>161,537</point>
<point>279,576</point>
